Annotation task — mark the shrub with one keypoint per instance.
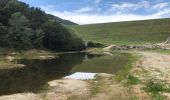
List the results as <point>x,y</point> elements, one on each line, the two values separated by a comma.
<point>155,86</point>
<point>91,44</point>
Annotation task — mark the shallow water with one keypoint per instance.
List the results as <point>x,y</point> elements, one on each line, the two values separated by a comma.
<point>37,73</point>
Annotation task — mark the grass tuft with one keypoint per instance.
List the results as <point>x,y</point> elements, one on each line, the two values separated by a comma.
<point>156,87</point>
<point>132,80</point>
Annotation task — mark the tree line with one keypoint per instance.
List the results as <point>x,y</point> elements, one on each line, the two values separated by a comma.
<point>25,27</point>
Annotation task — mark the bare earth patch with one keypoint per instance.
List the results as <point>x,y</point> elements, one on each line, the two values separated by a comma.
<point>103,88</point>
<point>153,66</point>
<point>21,96</point>
<point>107,88</point>
<point>67,88</point>
<point>59,90</point>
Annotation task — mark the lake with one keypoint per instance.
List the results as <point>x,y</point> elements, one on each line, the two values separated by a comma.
<point>35,75</point>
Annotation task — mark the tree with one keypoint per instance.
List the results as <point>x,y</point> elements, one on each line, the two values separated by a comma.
<point>13,6</point>
<point>37,17</point>
<point>3,35</point>
<point>37,38</point>
<point>20,33</point>
<point>25,27</point>
<point>58,37</point>
<point>3,3</point>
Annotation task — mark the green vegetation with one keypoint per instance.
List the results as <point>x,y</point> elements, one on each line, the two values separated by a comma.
<point>91,44</point>
<point>124,72</point>
<point>62,21</point>
<point>132,80</point>
<point>19,32</point>
<point>130,32</point>
<point>64,40</point>
<point>24,27</point>
<point>8,57</point>
<point>155,87</point>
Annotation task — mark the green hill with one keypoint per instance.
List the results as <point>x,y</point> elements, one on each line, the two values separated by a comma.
<point>62,21</point>
<point>129,32</point>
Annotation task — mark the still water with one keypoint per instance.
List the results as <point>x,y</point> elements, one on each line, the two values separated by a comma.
<point>35,75</point>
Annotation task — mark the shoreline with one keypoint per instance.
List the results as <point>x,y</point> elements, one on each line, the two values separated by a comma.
<point>147,66</point>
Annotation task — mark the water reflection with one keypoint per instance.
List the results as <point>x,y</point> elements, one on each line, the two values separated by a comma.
<point>37,73</point>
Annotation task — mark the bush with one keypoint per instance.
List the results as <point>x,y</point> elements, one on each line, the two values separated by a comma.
<point>91,44</point>
<point>156,87</point>
<point>57,37</point>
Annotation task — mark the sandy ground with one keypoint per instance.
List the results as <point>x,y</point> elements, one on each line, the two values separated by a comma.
<point>103,88</point>
<point>155,65</point>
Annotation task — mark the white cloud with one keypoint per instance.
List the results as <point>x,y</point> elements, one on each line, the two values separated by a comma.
<point>131,6</point>
<point>163,13</point>
<point>160,6</point>
<point>98,18</point>
<point>81,16</point>
<point>97,1</point>
<point>144,4</point>
<point>122,6</point>
<point>83,10</point>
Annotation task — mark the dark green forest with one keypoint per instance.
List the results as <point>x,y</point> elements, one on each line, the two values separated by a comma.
<point>25,27</point>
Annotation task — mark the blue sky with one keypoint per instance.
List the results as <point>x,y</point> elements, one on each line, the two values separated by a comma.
<point>100,11</point>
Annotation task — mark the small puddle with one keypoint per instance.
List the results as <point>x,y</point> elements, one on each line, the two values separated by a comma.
<point>35,75</point>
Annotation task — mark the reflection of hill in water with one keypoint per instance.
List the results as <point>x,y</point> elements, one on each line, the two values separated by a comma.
<point>104,64</point>
<point>37,73</point>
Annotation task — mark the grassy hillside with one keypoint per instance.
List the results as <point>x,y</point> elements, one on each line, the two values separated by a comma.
<point>62,21</point>
<point>130,32</point>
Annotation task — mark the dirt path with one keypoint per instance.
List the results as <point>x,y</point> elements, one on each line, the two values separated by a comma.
<point>108,48</point>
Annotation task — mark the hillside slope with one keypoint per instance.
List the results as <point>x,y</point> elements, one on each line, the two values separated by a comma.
<point>60,20</point>
<point>130,32</point>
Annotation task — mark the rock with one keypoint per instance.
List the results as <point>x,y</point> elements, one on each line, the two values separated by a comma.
<point>109,48</point>
<point>10,58</point>
<point>12,66</point>
<point>67,85</point>
<point>47,57</point>
<point>105,75</point>
<point>108,53</point>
